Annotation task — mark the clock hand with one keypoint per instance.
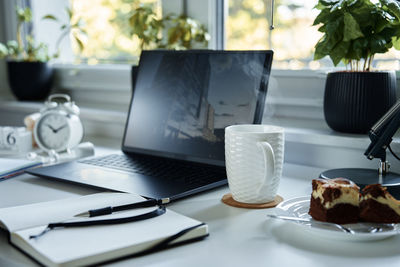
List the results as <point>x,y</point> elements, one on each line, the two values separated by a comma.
<point>51,127</point>
<point>62,127</point>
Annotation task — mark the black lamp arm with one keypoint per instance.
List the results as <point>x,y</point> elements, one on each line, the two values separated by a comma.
<point>382,132</point>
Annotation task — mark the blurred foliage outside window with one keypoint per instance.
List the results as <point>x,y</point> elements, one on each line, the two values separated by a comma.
<point>293,38</point>
<point>117,30</point>
<point>109,37</point>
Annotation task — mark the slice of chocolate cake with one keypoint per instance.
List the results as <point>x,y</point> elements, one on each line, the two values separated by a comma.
<point>334,200</point>
<point>378,205</point>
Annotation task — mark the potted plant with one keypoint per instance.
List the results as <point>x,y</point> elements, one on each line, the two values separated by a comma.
<point>354,31</point>
<point>29,75</point>
<point>180,32</point>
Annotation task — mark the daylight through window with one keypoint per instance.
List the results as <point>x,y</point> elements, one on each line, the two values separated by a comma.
<point>110,39</point>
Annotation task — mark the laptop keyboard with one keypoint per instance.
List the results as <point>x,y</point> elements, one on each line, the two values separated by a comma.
<point>182,172</point>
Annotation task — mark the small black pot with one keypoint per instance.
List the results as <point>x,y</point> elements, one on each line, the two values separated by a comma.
<point>30,80</point>
<point>354,101</point>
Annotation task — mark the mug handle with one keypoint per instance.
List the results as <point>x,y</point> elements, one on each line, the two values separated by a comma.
<point>269,161</point>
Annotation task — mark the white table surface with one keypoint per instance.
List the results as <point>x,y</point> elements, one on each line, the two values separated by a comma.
<point>238,237</point>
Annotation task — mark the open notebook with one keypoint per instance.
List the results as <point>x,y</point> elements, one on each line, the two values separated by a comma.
<point>13,167</point>
<point>91,244</point>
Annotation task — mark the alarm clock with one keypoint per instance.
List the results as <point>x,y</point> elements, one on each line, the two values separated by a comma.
<point>58,128</point>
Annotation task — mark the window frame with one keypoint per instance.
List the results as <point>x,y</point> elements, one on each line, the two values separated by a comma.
<point>295,97</point>
<point>296,93</point>
<point>209,12</point>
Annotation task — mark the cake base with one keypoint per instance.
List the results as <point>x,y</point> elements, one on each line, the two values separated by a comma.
<point>373,211</point>
<point>340,213</point>
<point>363,177</point>
<point>228,200</point>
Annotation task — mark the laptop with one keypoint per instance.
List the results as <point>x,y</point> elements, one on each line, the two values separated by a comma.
<point>173,144</point>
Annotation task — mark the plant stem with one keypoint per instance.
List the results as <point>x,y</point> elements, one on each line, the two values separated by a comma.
<point>142,45</point>
<point>19,38</point>
<point>370,62</point>
<point>365,64</point>
<point>62,36</point>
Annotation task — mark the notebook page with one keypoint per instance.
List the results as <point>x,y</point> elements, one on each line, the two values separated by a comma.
<point>27,216</point>
<point>9,166</point>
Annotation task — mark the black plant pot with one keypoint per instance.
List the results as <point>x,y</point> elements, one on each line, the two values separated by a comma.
<point>30,80</point>
<point>354,101</point>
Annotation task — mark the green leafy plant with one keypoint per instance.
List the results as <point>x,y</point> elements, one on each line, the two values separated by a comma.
<point>145,24</point>
<point>20,50</point>
<point>74,27</point>
<point>182,32</point>
<point>29,50</point>
<point>356,30</point>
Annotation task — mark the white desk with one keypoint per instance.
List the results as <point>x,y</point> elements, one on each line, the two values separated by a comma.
<point>238,237</point>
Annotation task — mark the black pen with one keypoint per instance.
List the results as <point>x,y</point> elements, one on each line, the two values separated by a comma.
<point>108,210</point>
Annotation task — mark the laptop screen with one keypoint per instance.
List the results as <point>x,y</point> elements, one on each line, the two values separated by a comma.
<point>183,100</point>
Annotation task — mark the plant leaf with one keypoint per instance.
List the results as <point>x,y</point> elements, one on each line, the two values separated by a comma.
<point>50,17</point>
<point>322,17</point>
<point>328,2</point>
<point>322,28</point>
<point>338,5</point>
<point>339,52</point>
<point>393,6</point>
<point>79,42</point>
<point>69,12</point>
<point>23,15</point>
<point>27,14</point>
<point>351,28</point>
<point>359,49</point>
<point>3,51</point>
<point>378,44</point>
<point>349,4</point>
<point>396,43</point>
<point>322,48</point>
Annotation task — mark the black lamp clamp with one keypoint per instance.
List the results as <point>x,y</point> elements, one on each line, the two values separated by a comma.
<point>381,135</point>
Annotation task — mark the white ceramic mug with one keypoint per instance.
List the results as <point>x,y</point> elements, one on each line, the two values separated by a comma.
<point>254,161</point>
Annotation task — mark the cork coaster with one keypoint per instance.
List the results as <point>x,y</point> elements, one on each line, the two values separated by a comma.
<point>228,200</point>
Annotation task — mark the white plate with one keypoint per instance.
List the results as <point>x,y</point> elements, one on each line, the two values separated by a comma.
<point>298,207</point>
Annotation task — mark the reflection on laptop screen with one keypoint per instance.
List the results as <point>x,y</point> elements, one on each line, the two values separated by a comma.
<point>183,100</point>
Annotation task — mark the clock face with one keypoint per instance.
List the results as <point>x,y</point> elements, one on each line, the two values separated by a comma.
<point>53,131</point>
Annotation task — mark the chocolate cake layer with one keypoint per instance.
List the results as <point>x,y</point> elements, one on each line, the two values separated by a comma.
<point>378,205</point>
<point>373,211</point>
<point>340,213</point>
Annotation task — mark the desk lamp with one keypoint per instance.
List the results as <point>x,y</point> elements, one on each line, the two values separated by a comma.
<point>381,136</point>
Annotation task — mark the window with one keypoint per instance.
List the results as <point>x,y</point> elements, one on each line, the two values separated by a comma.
<point>292,39</point>
<point>109,37</point>
<point>110,27</point>
<point>247,26</point>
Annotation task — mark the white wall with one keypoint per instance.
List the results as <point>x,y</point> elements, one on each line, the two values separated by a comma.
<point>3,74</point>
<point>48,31</point>
<point>5,92</point>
